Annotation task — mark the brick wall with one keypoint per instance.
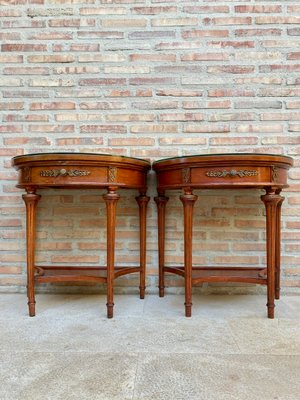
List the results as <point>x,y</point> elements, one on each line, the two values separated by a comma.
<point>148,79</point>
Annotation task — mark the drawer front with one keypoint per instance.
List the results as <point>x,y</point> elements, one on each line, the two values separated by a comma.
<point>222,176</point>
<point>72,176</point>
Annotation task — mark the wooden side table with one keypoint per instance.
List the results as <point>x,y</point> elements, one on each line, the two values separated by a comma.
<point>223,171</point>
<point>82,171</point>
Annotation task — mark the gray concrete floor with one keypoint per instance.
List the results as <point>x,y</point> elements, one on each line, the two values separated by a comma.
<point>149,350</point>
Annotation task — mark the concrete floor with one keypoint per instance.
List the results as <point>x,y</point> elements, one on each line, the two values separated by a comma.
<point>227,350</point>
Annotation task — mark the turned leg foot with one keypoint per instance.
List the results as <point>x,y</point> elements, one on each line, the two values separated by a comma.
<point>110,310</point>
<point>31,308</point>
<point>188,309</point>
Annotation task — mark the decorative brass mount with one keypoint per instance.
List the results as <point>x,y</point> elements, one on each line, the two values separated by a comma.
<point>186,175</point>
<point>64,172</point>
<point>241,173</point>
<point>112,174</point>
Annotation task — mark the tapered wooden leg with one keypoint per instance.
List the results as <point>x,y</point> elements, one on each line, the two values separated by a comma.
<point>142,201</point>
<point>271,200</point>
<point>111,199</point>
<point>277,245</point>
<point>161,201</point>
<point>188,200</point>
<point>31,200</point>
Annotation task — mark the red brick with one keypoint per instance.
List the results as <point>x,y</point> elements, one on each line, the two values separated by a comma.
<point>10,13</point>
<point>25,71</point>
<point>102,10</point>
<point>23,47</point>
<point>293,31</point>
<point>191,141</point>
<point>131,142</point>
<point>101,82</point>
<point>258,32</point>
<point>231,43</point>
<point>204,33</point>
<point>51,128</point>
<point>155,105</point>
<point>278,20</point>
<point>151,81</point>
<point>51,36</point>
<point>10,36</point>
<point>279,68</point>
<point>10,222</point>
<point>152,57</point>
<point>159,128</point>
<point>154,10</point>
<point>231,69</point>
<point>258,9</point>
<point>53,106</point>
<point>144,35</point>
<point>231,93</point>
<point>130,117</point>
<point>179,93</point>
<point>55,58</point>
<point>244,116</point>
<point>21,141</point>
<point>293,56</point>
<point>233,141</point>
<point>181,117</point>
<point>85,47</point>
<point>12,106</point>
<point>11,129</point>
<point>180,21</point>
<point>123,23</point>
<point>75,259</point>
<point>205,57</point>
<point>103,129</point>
<point>100,34</point>
<point>79,141</point>
<point>206,9</point>
<point>228,21</point>
<point>212,128</point>
<point>25,118</point>
<point>72,22</point>
<point>9,59</point>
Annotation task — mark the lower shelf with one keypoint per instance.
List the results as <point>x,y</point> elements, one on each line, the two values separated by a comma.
<point>223,274</point>
<point>79,274</point>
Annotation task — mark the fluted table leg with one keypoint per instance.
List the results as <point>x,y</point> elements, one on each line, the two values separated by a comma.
<point>31,200</point>
<point>142,201</point>
<point>188,200</point>
<point>111,199</point>
<point>271,200</point>
<point>277,245</point>
<point>161,201</point>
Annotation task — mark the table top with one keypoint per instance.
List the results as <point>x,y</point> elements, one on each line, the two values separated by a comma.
<point>80,157</point>
<point>229,170</point>
<point>80,170</point>
<point>223,157</point>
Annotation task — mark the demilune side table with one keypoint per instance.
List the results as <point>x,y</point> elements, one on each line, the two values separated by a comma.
<point>223,171</point>
<point>82,171</point>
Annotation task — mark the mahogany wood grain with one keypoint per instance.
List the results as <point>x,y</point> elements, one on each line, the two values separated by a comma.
<point>223,171</point>
<point>82,171</point>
